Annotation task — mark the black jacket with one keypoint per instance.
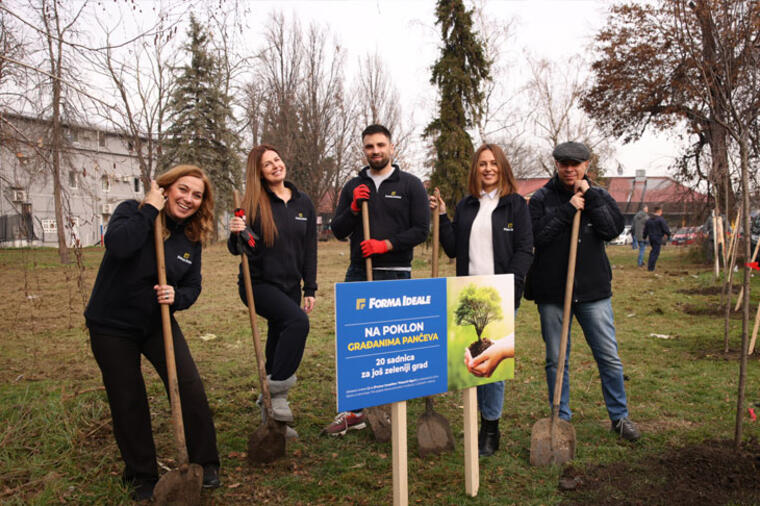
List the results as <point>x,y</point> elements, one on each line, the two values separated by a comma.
<point>512,237</point>
<point>552,216</point>
<point>655,229</point>
<point>293,256</point>
<point>123,301</point>
<point>398,211</point>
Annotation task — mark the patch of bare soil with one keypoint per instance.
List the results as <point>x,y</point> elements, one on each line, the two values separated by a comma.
<point>710,310</point>
<point>702,290</point>
<point>711,472</point>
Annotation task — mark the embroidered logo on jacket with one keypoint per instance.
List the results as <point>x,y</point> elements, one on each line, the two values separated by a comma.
<point>301,217</point>
<point>392,195</point>
<point>185,258</point>
<point>509,227</point>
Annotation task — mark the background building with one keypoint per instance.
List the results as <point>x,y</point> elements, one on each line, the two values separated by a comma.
<point>98,170</point>
<point>681,206</point>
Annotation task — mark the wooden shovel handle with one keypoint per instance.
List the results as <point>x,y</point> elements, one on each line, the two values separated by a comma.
<point>436,234</point>
<point>266,396</point>
<point>566,313</point>
<point>171,364</point>
<point>365,226</point>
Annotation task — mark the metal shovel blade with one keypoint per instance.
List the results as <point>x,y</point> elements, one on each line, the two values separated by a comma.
<point>434,434</point>
<point>180,487</point>
<point>379,418</point>
<point>547,448</point>
<point>267,443</point>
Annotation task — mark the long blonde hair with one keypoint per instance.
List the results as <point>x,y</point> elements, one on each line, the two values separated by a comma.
<point>200,226</point>
<point>256,199</point>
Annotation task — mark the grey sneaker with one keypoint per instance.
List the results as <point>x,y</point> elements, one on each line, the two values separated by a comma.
<point>626,429</point>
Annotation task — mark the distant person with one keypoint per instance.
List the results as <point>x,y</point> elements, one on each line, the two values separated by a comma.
<point>552,209</point>
<point>639,220</point>
<point>124,320</point>
<point>281,248</point>
<point>754,229</point>
<point>399,220</point>
<point>656,229</point>
<point>483,245</point>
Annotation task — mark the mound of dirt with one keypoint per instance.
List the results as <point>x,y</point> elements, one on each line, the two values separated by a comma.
<point>711,472</point>
<point>703,290</point>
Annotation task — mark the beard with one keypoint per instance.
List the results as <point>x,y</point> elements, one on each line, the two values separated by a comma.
<point>378,164</point>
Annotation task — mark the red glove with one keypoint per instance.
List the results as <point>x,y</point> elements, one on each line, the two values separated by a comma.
<point>373,247</point>
<point>361,193</point>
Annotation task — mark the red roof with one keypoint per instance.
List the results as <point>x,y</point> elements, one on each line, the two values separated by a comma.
<point>631,192</point>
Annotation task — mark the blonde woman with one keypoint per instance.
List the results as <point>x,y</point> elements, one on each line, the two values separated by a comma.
<point>124,319</point>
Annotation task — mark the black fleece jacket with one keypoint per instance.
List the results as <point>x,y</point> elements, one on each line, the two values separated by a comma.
<point>511,235</point>
<point>398,211</point>
<point>123,302</point>
<point>552,216</point>
<point>293,256</point>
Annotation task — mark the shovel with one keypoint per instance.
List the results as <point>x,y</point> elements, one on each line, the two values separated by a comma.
<point>552,440</point>
<point>379,417</point>
<point>183,485</point>
<point>434,434</point>
<point>267,443</point>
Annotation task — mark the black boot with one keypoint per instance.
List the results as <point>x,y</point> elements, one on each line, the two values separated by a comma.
<point>488,437</point>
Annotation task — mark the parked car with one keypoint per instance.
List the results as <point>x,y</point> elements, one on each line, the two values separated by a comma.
<point>686,235</point>
<point>625,237</point>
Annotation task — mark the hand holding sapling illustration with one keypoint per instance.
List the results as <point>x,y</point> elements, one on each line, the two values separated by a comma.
<point>478,306</point>
<point>489,359</point>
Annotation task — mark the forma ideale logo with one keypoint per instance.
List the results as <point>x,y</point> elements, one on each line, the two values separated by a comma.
<point>361,303</point>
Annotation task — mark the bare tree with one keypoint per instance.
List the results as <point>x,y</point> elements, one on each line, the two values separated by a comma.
<point>555,94</point>
<point>297,102</point>
<point>721,42</point>
<point>142,80</point>
<point>378,102</point>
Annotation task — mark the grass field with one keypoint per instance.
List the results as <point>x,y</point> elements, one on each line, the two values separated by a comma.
<point>56,444</point>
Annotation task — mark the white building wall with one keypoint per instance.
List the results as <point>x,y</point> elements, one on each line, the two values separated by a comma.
<point>98,171</point>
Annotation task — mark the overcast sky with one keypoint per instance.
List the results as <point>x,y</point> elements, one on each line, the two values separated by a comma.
<point>403,32</point>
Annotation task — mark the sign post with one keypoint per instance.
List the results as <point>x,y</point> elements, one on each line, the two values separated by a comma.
<point>403,339</point>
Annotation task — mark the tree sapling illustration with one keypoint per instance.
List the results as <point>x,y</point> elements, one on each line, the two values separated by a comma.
<point>478,306</point>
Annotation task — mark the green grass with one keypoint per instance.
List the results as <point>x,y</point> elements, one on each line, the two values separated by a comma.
<point>55,436</point>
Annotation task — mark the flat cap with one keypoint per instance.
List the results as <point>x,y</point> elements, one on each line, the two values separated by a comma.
<point>571,152</point>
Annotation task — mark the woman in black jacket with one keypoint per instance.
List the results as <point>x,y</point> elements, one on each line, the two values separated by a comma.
<point>280,231</point>
<point>490,234</point>
<point>124,319</point>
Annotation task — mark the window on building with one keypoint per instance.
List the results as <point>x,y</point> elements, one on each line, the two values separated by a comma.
<point>72,135</point>
<point>49,226</point>
<point>72,179</point>
<point>105,184</point>
<point>130,146</point>
<point>102,139</point>
<point>136,185</point>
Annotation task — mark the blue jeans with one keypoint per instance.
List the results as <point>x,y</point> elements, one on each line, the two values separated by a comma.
<point>597,322</point>
<point>359,273</point>
<point>642,247</point>
<point>491,400</point>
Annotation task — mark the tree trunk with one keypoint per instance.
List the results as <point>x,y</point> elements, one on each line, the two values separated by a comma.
<point>745,310</point>
<point>56,145</point>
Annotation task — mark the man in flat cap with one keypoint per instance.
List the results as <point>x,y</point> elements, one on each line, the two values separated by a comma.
<point>551,209</point>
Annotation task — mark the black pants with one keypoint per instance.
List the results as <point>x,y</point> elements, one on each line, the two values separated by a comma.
<point>119,362</point>
<point>288,327</point>
<point>654,253</point>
